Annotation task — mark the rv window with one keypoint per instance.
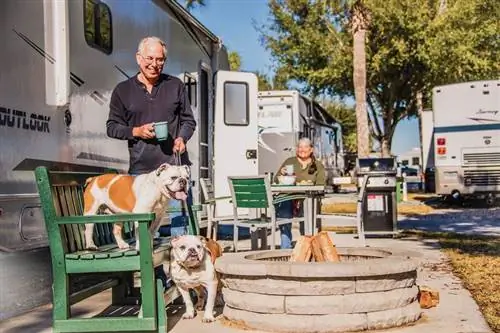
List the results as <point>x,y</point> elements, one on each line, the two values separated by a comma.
<point>415,161</point>
<point>236,103</point>
<point>98,27</point>
<point>190,86</point>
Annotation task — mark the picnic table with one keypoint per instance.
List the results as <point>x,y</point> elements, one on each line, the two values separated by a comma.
<point>311,193</point>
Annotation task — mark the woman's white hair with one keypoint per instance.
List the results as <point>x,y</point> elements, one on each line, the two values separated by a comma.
<point>152,39</point>
<point>306,141</point>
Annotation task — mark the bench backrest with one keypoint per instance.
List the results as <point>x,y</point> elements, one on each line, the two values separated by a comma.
<point>61,194</point>
<point>250,192</point>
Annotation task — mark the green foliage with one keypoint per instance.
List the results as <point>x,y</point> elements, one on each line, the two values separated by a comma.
<point>277,82</point>
<point>412,45</point>
<point>234,61</point>
<point>264,83</point>
<point>347,117</point>
<point>190,4</point>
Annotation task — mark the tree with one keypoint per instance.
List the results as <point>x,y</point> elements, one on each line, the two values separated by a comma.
<point>277,82</point>
<point>409,49</point>
<point>234,61</point>
<point>263,80</point>
<point>359,21</point>
<point>190,4</point>
<point>346,116</point>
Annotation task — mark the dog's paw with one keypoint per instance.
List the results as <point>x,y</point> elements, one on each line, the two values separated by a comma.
<point>188,315</point>
<point>91,247</point>
<point>124,246</point>
<point>208,318</point>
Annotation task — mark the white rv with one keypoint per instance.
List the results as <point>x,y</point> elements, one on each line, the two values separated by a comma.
<point>466,139</point>
<point>60,63</point>
<point>286,116</point>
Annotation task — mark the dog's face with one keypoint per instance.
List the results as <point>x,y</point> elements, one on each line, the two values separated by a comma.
<point>188,250</point>
<point>173,180</point>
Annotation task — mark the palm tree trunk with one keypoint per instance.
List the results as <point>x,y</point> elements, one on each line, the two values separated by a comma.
<point>359,79</point>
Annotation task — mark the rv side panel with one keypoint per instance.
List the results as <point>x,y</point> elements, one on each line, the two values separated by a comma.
<point>467,138</point>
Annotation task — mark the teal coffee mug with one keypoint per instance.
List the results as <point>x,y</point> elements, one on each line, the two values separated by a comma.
<point>161,130</point>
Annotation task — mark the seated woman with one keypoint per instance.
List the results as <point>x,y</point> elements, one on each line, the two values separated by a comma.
<point>306,169</point>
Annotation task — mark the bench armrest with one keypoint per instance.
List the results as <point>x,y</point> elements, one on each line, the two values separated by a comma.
<point>217,199</point>
<point>143,217</point>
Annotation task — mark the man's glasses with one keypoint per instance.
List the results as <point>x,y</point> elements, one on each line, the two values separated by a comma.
<point>149,60</point>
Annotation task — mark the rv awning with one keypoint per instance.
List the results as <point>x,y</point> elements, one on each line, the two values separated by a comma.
<point>204,37</point>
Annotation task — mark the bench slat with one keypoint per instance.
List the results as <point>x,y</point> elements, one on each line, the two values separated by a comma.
<point>141,217</point>
<point>91,265</point>
<point>75,229</point>
<point>113,324</point>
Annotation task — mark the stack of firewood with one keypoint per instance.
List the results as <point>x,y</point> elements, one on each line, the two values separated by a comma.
<point>315,248</point>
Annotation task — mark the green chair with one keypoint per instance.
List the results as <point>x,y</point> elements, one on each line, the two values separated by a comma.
<point>254,192</point>
<point>213,220</point>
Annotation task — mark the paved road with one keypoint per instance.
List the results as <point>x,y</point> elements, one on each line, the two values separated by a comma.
<point>467,221</point>
<point>25,280</point>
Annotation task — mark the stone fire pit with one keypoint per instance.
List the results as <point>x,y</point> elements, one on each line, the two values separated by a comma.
<point>371,288</point>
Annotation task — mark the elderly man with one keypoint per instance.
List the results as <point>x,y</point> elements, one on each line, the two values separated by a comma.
<point>151,96</point>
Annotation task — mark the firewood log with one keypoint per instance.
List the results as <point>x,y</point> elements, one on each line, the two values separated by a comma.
<point>327,247</point>
<point>428,297</point>
<point>316,250</point>
<point>302,250</point>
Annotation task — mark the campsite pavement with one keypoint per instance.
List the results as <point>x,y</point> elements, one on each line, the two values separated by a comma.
<point>457,312</point>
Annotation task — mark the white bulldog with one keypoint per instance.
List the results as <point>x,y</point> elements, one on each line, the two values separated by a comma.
<point>192,261</point>
<point>147,193</point>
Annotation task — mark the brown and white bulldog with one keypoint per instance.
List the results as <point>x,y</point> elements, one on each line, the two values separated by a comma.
<point>147,193</point>
<point>192,261</point>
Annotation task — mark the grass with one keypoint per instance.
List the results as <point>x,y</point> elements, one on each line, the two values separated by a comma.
<point>476,261</point>
<point>350,208</point>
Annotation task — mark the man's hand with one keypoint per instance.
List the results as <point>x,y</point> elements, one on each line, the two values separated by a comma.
<point>179,145</point>
<point>145,131</point>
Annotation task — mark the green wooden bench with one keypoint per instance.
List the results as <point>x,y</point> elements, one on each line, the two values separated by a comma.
<point>61,195</point>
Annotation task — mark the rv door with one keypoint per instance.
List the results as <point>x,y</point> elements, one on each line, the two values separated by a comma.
<point>235,132</point>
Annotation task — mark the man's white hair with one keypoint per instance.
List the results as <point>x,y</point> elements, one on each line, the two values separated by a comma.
<point>152,39</point>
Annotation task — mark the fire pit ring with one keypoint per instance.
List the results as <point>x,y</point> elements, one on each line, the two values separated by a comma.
<point>371,288</point>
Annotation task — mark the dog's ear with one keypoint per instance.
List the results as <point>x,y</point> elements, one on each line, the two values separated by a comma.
<point>203,241</point>
<point>213,248</point>
<point>161,168</point>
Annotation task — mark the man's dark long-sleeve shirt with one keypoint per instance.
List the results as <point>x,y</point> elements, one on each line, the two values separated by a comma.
<point>132,105</point>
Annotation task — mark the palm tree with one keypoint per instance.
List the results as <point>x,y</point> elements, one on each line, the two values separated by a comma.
<point>360,21</point>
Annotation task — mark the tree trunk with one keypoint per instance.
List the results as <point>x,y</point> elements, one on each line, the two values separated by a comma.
<point>420,111</point>
<point>389,128</point>
<point>359,78</point>
<point>385,146</point>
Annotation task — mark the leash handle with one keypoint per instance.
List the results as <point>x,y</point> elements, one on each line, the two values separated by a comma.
<point>177,158</point>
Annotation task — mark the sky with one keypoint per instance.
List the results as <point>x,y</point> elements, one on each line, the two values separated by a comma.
<point>233,21</point>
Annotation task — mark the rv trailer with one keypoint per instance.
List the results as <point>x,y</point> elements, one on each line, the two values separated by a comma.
<point>61,61</point>
<point>428,150</point>
<point>283,118</point>
<point>467,139</point>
